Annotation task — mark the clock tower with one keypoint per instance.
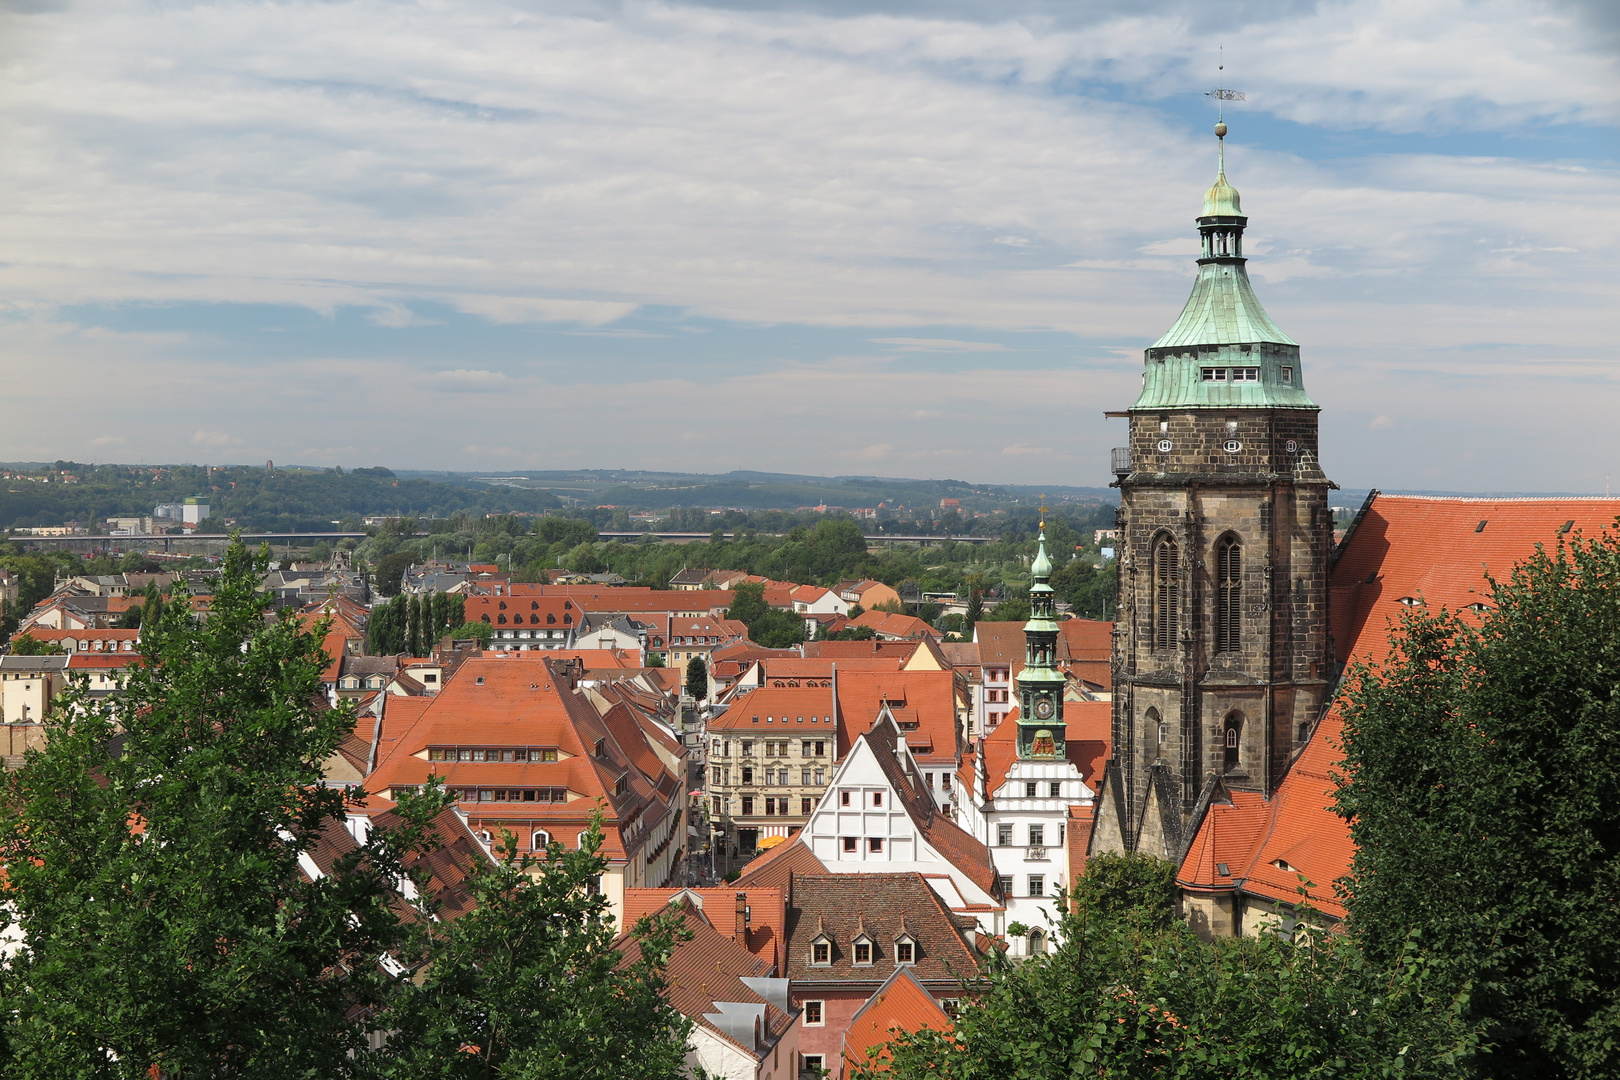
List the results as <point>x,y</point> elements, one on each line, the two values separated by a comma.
<point>1040,684</point>
<point>1221,652</point>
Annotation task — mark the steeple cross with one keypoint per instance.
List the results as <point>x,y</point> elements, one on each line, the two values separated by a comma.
<point>1044,509</point>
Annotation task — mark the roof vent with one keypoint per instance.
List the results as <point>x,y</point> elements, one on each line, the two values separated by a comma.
<point>1481,526</point>
<point>1223,870</point>
<point>1568,525</point>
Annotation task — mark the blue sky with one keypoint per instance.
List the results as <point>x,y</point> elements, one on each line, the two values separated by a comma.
<point>912,239</point>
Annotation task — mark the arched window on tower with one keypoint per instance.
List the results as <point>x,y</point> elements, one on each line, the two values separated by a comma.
<point>1233,737</point>
<point>1155,729</point>
<point>1166,594</point>
<point>1228,595</point>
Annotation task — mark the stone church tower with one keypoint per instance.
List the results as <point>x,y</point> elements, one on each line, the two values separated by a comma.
<point>1221,647</point>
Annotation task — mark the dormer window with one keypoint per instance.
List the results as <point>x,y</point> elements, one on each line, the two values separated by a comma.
<point>863,951</point>
<point>820,951</point>
<point>905,950</point>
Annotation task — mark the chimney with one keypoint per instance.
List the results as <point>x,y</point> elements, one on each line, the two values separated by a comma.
<point>741,931</point>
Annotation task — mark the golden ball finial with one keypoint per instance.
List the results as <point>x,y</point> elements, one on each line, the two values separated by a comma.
<point>1220,130</point>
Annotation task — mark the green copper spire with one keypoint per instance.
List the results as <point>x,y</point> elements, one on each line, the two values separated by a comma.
<point>1040,683</point>
<point>1224,351</point>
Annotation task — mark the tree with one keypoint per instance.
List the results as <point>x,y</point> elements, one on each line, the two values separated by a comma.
<point>697,678</point>
<point>29,645</point>
<point>767,626</point>
<point>1013,609</point>
<point>391,572</point>
<point>155,876</point>
<point>1480,766</point>
<point>1130,994</point>
<point>854,633</point>
<point>529,984</point>
<point>482,631</point>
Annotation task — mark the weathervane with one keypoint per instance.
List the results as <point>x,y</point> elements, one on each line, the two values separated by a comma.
<point>1043,511</point>
<point>1222,95</point>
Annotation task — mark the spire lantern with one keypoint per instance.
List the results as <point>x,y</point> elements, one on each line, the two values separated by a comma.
<point>1040,683</point>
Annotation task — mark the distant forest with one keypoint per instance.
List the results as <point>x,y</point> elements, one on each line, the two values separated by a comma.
<point>257,499</point>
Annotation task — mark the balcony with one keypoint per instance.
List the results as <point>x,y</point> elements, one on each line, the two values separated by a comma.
<point>1035,854</point>
<point>1119,460</point>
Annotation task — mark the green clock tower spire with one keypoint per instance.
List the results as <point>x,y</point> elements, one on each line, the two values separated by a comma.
<point>1040,684</point>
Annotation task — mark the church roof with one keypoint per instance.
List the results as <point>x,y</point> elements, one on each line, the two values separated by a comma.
<point>1434,551</point>
<point>1222,310</point>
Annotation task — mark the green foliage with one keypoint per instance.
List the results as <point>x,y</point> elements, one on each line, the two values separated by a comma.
<point>1090,593</point>
<point>390,575</point>
<point>1121,998</point>
<point>529,985</point>
<point>286,500</point>
<point>1013,609</point>
<point>767,626</point>
<point>1134,887</point>
<point>697,678</point>
<point>29,645</point>
<point>1481,785</point>
<point>484,632</point>
<point>155,877</point>
<point>853,633</point>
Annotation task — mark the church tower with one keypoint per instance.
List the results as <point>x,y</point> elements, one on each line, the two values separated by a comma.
<point>1221,648</point>
<point>1040,683</point>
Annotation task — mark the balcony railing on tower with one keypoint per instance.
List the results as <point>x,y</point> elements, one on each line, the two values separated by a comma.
<point>1119,459</point>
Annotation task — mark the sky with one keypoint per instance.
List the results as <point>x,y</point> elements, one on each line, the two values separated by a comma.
<point>901,238</point>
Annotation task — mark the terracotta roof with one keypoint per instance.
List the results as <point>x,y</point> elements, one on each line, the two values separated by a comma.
<point>963,654</point>
<point>901,1004</point>
<point>764,926</point>
<point>838,650</point>
<point>926,699</point>
<point>1087,639</point>
<point>709,968</point>
<point>79,660</point>
<point>884,907</point>
<point>500,703</point>
<point>1433,550</point>
<point>803,710</point>
<point>1082,819</point>
<point>779,866</point>
<point>543,612</point>
<point>889,624</point>
<point>821,667</point>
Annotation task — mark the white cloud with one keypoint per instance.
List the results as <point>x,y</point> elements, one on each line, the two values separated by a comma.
<point>939,345</point>
<point>473,380</point>
<point>214,440</point>
<point>929,178</point>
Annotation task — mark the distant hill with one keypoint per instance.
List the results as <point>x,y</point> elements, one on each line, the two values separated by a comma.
<point>749,490</point>
<point>259,499</point>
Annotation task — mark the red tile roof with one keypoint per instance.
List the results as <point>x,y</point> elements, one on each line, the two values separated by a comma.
<point>888,624</point>
<point>501,703</point>
<point>778,866</point>
<point>709,968</point>
<point>763,927</point>
<point>900,1005</point>
<point>1434,550</point>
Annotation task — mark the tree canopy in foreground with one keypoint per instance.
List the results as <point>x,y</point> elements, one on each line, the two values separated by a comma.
<point>157,864</point>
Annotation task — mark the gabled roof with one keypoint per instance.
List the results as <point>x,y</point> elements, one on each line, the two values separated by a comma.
<point>891,625</point>
<point>779,866</point>
<point>926,699</point>
<point>840,907</point>
<point>761,929</point>
<point>901,1004</point>
<point>841,650</point>
<point>709,969</point>
<point>773,711</point>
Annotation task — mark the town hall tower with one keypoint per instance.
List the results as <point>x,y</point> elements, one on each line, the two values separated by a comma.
<point>1221,646</point>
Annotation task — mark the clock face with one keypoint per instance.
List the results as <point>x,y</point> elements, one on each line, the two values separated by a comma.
<point>1043,708</point>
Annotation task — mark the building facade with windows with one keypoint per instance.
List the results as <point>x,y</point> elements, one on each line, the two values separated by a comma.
<point>847,936</point>
<point>771,754</point>
<point>1222,660</point>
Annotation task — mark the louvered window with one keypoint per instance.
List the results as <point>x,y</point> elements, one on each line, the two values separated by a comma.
<point>1166,594</point>
<point>1228,596</point>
